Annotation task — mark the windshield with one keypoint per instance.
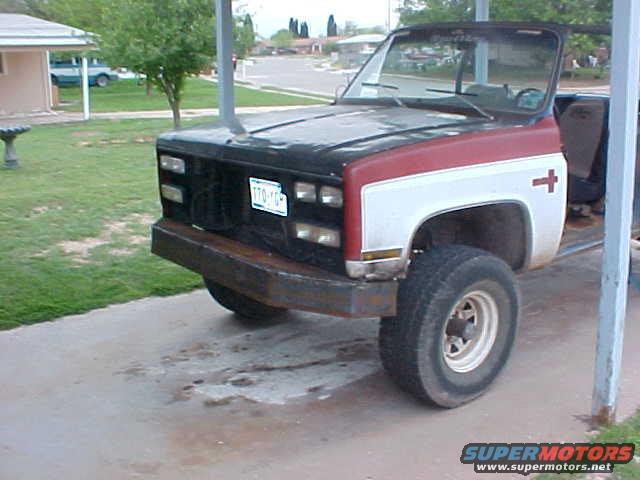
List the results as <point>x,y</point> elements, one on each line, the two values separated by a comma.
<point>472,70</point>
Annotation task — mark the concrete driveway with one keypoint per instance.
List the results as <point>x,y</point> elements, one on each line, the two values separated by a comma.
<point>178,388</point>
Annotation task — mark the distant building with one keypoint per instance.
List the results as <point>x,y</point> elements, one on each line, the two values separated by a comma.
<point>302,46</point>
<point>354,51</point>
<point>25,83</point>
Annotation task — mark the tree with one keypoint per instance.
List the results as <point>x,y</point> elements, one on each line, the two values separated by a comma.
<point>295,31</point>
<point>84,14</point>
<point>293,27</point>
<point>304,30</point>
<point>166,40</point>
<point>427,11</point>
<point>558,11</point>
<point>244,35</point>
<point>350,29</point>
<point>332,27</point>
<point>282,38</point>
<point>13,6</point>
<point>378,29</point>
<point>248,22</point>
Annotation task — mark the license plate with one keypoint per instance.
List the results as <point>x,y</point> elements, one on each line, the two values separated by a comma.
<point>267,196</point>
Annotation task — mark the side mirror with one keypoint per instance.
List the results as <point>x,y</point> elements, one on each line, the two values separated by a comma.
<point>339,91</point>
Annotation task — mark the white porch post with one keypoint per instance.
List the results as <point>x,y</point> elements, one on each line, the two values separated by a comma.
<point>49,86</point>
<point>86,114</point>
<point>623,120</point>
<point>482,50</point>
<point>224,46</point>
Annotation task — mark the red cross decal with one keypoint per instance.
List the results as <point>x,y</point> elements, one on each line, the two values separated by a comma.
<point>550,181</point>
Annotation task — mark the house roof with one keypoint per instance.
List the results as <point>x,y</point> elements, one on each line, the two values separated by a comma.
<point>303,42</point>
<point>367,38</point>
<point>20,31</point>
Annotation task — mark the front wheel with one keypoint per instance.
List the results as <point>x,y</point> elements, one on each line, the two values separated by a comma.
<point>455,328</point>
<point>246,307</point>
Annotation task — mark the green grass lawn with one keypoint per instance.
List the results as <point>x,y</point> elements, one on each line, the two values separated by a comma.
<point>74,221</point>
<point>625,432</point>
<point>126,95</point>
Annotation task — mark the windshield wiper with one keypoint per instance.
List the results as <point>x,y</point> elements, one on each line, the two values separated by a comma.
<point>390,89</point>
<point>460,96</point>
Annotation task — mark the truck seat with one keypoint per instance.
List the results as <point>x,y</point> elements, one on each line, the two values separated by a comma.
<point>582,128</point>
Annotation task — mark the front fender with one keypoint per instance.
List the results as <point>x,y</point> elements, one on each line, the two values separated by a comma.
<point>394,209</point>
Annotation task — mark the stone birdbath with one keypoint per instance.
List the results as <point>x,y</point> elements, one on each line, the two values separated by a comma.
<point>8,135</point>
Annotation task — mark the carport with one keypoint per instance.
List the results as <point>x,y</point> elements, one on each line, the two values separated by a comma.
<point>25,43</point>
<point>619,184</point>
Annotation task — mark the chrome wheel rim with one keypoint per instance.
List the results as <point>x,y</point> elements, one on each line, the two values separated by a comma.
<point>470,331</point>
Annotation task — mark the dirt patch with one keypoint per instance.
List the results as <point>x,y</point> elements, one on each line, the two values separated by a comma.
<point>121,252</point>
<point>90,133</point>
<point>81,248</point>
<point>114,227</point>
<point>112,231</point>
<point>42,209</point>
<point>141,219</point>
<point>144,140</point>
<point>114,141</point>
<point>138,240</point>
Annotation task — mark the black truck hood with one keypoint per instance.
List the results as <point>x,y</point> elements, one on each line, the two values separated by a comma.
<point>317,140</point>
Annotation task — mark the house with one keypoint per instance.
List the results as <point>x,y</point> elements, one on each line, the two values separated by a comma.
<point>310,45</point>
<point>354,51</point>
<point>303,46</point>
<point>25,43</point>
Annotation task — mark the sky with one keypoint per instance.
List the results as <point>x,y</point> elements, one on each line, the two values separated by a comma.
<point>269,16</point>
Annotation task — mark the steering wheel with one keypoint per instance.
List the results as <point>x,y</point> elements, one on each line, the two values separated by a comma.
<point>526,91</point>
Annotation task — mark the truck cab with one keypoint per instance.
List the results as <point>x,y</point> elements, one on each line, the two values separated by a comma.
<point>448,165</point>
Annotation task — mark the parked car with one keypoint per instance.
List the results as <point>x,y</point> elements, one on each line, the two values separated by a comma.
<point>415,197</point>
<point>69,72</point>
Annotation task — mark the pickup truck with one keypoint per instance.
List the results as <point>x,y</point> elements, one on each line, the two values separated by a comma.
<point>417,197</point>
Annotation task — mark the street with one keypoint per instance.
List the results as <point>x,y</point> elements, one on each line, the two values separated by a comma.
<point>302,73</point>
<point>178,388</point>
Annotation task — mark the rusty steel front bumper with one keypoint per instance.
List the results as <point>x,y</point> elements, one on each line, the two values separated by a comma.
<point>270,278</point>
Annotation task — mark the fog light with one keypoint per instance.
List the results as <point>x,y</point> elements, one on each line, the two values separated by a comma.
<point>305,192</point>
<point>172,164</point>
<point>320,235</point>
<point>172,193</point>
<point>331,196</point>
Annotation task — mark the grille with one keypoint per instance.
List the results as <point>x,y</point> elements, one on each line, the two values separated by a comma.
<point>212,204</point>
<point>217,199</point>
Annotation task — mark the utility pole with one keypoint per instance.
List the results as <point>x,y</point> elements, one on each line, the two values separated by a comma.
<point>224,46</point>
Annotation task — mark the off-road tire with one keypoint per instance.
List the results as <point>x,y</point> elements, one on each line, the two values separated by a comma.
<point>246,307</point>
<point>412,343</point>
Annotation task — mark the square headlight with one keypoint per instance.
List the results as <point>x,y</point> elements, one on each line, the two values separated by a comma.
<point>312,233</point>
<point>305,192</point>
<point>172,164</point>
<point>172,193</point>
<point>331,196</point>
